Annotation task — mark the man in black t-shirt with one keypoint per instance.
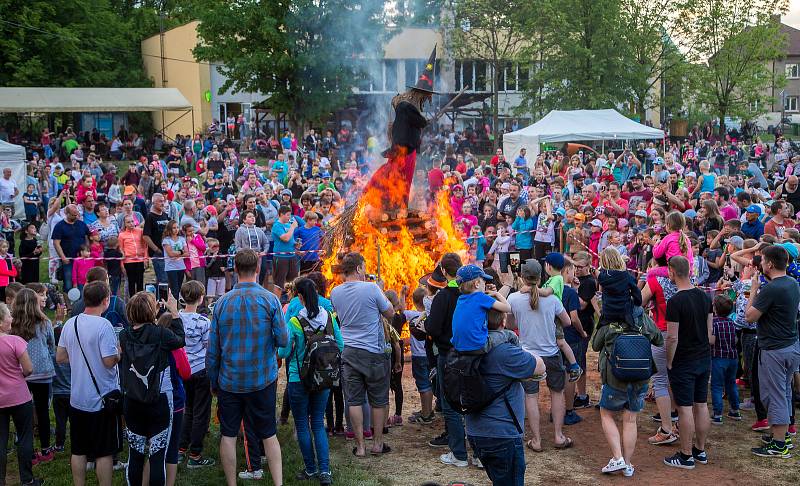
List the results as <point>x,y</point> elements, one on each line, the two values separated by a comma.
<point>154,224</point>
<point>586,292</point>
<point>689,324</point>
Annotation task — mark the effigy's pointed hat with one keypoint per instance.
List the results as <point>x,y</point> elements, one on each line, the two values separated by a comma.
<point>425,80</point>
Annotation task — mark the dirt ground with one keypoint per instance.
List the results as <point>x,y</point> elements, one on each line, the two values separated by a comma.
<point>413,462</point>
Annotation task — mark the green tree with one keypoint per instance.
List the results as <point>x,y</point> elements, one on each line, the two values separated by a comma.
<point>732,42</point>
<point>578,57</point>
<point>418,12</point>
<point>304,55</point>
<point>489,31</point>
<point>79,43</point>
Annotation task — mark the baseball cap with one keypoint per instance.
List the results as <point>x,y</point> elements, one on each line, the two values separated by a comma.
<point>580,217</point>
<point>326,175</point>
<point>218,175</point>
<point>597,222</point>
<point>641,213</point>
<point>754,208</point>
<point>561,212</point>
<point>691,174</point>
<point>286,192</point>
<point>555,260</point>
<point>577,177</point>
<point>211,210</point>
<point>736,241</point>
<point>791,249</point>
<point>690,213</point>
<point>637,176</point>
<point>531,269</point>
<point>458,187</point>
<point>129,191</point>
<point>471,272</point>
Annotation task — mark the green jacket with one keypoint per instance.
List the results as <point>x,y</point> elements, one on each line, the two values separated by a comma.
<point>603,342</point>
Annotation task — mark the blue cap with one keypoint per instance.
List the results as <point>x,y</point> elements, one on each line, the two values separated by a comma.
<point>690,213</point>
<point>555,260</point>
<point>325,174</point>
<point>471,272</point>
<point>754,208</point>
<point>561,212</point>
<point>791,249</point>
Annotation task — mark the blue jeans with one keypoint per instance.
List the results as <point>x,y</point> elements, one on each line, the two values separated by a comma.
<point>723,377</point>
<point>158,268</point>
<point>454,422</point>
<point>114,282</point>
<point>175,278</point>
<point>66,268</point>
<point>503,459</point>
<point>310,408</point>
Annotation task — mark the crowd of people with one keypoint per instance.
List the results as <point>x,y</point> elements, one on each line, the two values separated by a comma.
<point>195,274</point>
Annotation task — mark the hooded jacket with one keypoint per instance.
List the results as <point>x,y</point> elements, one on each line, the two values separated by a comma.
<point>295,349</point>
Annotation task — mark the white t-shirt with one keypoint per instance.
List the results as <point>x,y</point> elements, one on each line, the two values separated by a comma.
<point>98,341</point>
<point>417,346</point>
<point>537,328</point>
<point>7,188</point>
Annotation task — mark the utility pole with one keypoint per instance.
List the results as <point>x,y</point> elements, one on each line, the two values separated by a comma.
<point>163,66</point>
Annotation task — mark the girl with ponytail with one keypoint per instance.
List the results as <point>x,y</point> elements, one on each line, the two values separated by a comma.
<point>675,243</point>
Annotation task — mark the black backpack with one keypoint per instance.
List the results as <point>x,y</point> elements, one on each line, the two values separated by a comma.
<point>141,366</point>
<point>630,357</point>
<point>322,361</point>
<point>465,388</point>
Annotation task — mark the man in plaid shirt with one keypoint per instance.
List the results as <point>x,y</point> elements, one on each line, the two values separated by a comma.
<point>246,330</point>
<point>724,360</point>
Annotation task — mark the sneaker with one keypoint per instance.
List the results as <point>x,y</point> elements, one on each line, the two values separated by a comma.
<point>450,459</point>
<point>257,474</point>
<point>421,419</point>
<point>760,426</point>
<point>677,460</point>
<point>304,475</point>
<point>477,462</point>
<point>119,465</point>
<point>614,465</point>
<point>673,416</point>
<point>199,461</point>
<point>325,479</point>
<point>766,439</point>
<point>792,430</point>
<point>747,405</point>
<point>574,372</point>
<point>572,418</point>
<point>395,421</point>
<point>58,448</point>
<point>439,441</point>
<point>181,455</point>
<point>663,438</point>
<point>628,471</point>
<point>735,415</point>
<point>35,482</point>
<point>581,402</point>
<point>699,456</point>
<point>716,420</point>
<point>772,450</point>
<point>90,465</point>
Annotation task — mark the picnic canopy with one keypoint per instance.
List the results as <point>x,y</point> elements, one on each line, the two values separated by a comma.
<point>91,100</point>
<point>575,125</point>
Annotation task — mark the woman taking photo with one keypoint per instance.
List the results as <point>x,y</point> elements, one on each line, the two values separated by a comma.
<point>311,319</point>
<point>174,246</point>
<point>34,327</point>
<point>149,424</point>
<point>134,252</point>
<point>15,399</point>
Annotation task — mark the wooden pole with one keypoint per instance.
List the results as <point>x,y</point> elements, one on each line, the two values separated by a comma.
<point>378,247</point>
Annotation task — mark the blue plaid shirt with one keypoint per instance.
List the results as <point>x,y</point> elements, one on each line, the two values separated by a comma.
<point>246,330</point>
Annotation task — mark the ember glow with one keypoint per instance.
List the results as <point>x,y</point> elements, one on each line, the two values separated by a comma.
<point>399,245</point>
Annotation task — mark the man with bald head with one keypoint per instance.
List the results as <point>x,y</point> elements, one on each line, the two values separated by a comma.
<point>788,191</point>
<point>154,224</point>
<point>68,237</point>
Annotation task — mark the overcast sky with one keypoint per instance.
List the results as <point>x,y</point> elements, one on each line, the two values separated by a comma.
<point>793,16</point>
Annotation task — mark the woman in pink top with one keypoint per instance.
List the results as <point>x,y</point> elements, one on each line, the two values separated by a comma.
<point>674,244</point>
<point>134,252</point>
<point>15,399</point>
<point>195,262</point>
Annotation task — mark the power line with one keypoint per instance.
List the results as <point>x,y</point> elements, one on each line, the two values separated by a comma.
<point>118,49</point>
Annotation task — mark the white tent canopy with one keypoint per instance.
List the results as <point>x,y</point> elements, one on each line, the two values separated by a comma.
<point>90,100</point>
<point>573,126</point>
<point>13,157</point>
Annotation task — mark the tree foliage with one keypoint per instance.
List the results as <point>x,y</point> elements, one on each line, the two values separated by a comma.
<point>732,43</point>
<point>306,54</point>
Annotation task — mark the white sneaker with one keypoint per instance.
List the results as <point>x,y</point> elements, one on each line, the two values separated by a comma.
<point>119,465</point>
<point>449,458</point>
<point>628,471</point>
<point>90,466</point>
<point>257,474</point>
<point>614,465</point>
<point>477,462</point>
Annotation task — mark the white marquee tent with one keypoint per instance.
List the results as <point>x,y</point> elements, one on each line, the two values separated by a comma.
<point>13,157</point>
<point>574,126</point>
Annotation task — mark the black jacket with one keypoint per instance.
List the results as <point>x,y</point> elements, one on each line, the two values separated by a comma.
<point>439,324</point>
<point>407,126</point>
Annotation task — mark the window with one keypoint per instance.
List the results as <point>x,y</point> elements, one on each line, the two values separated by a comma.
<point>457,75</point>
<point>793,71</point>
<point>480,76</point>
<point>390,76</point>
<point>523,73</point>
<point>412,71</point>
<point>790,104</point>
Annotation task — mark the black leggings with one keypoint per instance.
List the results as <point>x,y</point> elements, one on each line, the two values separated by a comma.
<point>396,384</point>
<point>149,428</point>
<point>135,273</point>
<point>761,410</point>
<point>41,404</point>
<point>175,278</point>
<point>335,398</point>
<point>22,415</point>
<point>61,412</point>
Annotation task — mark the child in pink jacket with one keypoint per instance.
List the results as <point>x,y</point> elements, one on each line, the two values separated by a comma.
<point>81,266</point>
<point>674,244</point>
<point>195,262</point>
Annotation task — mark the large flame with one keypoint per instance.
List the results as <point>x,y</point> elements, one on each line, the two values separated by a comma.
<point>399,245</point>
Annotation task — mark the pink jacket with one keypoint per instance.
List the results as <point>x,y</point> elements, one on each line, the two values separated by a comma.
<point>199,243</point>
<point>670,246</point>
<point>80,267</point>
<point>5,272</point>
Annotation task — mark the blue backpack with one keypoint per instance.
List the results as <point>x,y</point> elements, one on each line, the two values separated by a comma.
<point>630,357</point>
<point>112,315</point>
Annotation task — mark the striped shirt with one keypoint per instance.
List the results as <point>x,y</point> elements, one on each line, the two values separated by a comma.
<point>246,330</point>
<point>725,343</point>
